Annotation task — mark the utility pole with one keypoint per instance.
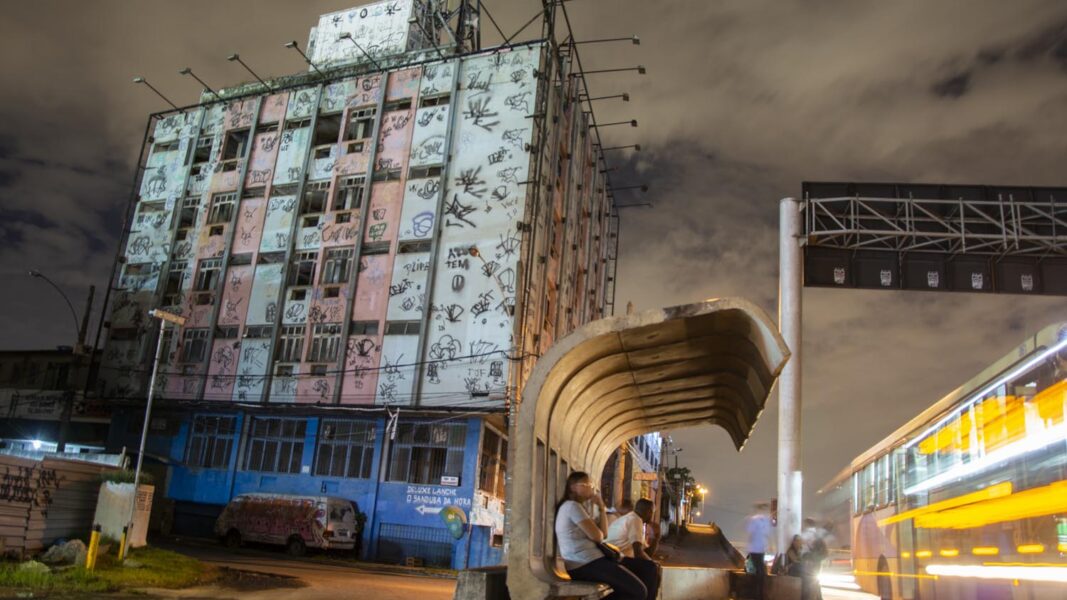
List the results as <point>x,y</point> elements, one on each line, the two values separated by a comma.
<point>790,270</point>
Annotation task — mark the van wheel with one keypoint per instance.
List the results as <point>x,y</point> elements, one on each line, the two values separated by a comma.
<point>295,546</point>
<point>232,539</point>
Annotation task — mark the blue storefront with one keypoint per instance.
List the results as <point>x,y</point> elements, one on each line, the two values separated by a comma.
<point>411,480</point>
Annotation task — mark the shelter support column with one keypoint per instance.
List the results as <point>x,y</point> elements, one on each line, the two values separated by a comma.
<point>790,270</point>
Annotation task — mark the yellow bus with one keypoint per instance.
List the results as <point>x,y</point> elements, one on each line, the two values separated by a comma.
<point>969,498</point>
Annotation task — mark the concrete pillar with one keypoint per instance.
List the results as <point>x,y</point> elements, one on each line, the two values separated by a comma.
<point>790,270</point>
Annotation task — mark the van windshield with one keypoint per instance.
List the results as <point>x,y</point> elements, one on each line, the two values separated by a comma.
<point>342,514</point>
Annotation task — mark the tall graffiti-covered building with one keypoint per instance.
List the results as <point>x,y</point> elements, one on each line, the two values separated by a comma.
<point>369,257</point>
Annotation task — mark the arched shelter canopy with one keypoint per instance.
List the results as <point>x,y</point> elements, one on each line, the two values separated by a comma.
<point>616,378</point>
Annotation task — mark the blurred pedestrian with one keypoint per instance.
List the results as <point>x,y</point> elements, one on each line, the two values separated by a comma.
<point>758,527</point>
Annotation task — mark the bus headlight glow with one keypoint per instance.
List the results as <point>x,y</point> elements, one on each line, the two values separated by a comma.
<point>838,580</point>
<point>1054,574</point>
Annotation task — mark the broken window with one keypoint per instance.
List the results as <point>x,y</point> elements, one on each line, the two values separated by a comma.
<point>360,124</point>
<point>349,193</point>
<point>194,345</point>
<point>187,216</point>
<point>235,145</point>
<point>172,293</point>
<point>221,208</point>
<point>314,200</point>
<point>207,275</point>
<point>327,130</point>
<point>303,269</point>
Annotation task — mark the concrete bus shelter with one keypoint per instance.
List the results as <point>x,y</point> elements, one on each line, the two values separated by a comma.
<point>710,362</point>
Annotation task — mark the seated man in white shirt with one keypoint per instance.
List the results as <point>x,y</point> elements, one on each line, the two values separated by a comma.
<point>628,534</point>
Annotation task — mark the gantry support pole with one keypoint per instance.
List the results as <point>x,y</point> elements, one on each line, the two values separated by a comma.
<point>790,270</point>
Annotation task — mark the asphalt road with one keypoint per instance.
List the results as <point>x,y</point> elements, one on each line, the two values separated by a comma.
<point>316,580</point>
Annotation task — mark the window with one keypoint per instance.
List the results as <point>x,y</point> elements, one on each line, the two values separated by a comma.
<point>275,445</point>
<point>402,328</point>
<point>259,331</point>
<point>314,197</point>
<point>433,101</point>
<point>207,275</point>
<point>226,333</point>
<point>402,104</point>
<point>202,152</point>
<point>325,341</point>
<point>172,293</point>
<point>387,174</point>
<point>492,463</point>
<point>338,265</point>
<point>297,124</point>
<point>187,216</point>
<point>303,268</point>
<point>375,248</point>
<point>364,328</point>
<point>221,208</point>
<point>211,441</point>
<point>291,343</point>
<point>424,172</point>
<point>360,124</point>
<point>424,452</point>
<point>346,449</point>
<point>327,130</point>
<point>194,345</point>
<point>410,247</point>
<point>349,193</point>
<point>234,147</point>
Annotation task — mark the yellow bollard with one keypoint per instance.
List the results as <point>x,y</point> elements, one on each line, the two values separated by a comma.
<point>94,548</point>
<point>122,545</point>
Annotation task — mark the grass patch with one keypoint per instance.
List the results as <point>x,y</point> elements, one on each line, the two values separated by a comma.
<point>158,569</point>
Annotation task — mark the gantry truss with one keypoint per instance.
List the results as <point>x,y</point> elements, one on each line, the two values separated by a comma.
<point>953,220</point>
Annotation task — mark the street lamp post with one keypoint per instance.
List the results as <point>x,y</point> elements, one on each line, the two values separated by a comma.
<point>79,349</point>
<point>163,317</point>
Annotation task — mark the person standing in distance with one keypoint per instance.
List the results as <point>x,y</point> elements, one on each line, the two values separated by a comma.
<point>758,527</point>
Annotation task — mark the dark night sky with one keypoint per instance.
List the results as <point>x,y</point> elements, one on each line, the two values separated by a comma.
<point>742,102</point>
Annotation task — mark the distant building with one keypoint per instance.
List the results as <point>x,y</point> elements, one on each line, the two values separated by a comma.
<point>370,261</point>
<point>36,386</point>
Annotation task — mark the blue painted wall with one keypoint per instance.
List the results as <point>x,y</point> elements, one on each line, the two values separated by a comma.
<point>200,494</point>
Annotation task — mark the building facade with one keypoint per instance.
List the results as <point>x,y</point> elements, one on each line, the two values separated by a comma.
<point>370,257</point>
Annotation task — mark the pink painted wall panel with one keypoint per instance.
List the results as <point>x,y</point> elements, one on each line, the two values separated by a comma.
<point>249,226</point>
<point>366,91</point>
<point>327,310</point>
<point>339,234</point>
<point>239,114</point>
<point>235,295</point>
<point>211,246</point>
<point>384,216</point>
<point>261,163</point>
<point>372,289</point>
<point>403,84</point>
<point>224,181</point>
<point>273,108</point>
<point>200,315</point>
<point>394,140</point>
<point>222,370</point>
<point>315,389</point>
<point>361,369</point>
<point>184,387</point>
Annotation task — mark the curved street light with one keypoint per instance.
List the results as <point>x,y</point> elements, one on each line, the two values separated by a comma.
<point>73,313</point>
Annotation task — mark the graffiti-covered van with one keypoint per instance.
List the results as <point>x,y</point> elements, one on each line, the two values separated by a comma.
<point>296,522</point>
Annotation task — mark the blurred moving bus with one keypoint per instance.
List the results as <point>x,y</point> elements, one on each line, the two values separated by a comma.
<point>969,499</point>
